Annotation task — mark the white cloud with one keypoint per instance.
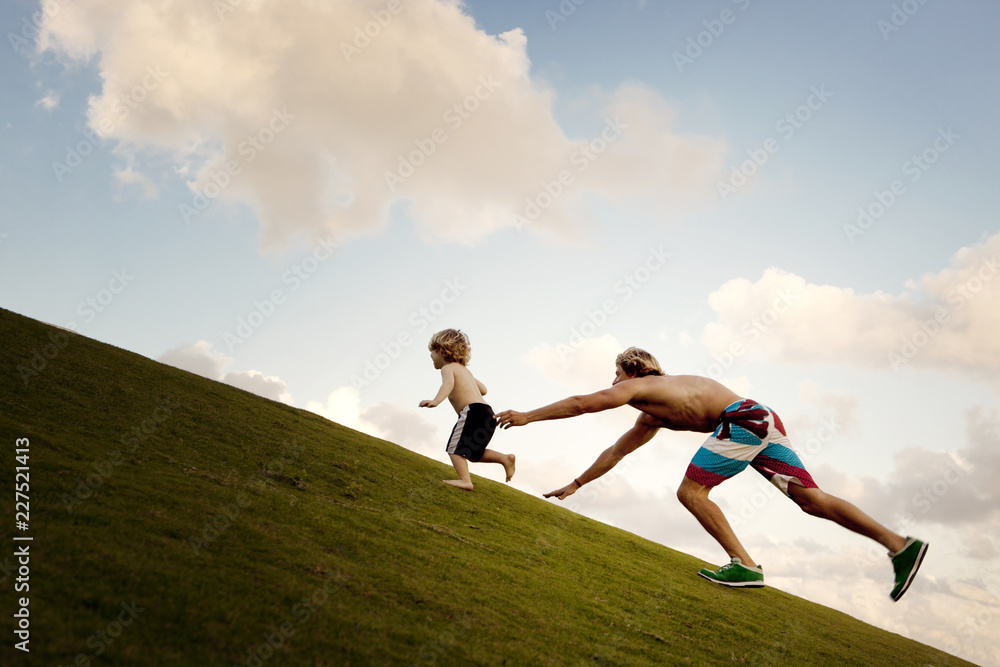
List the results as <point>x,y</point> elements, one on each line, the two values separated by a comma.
<point>293,108</point>
<point>255,382</point>
<point>839,410</point>
<point>953,487</point>
<point>585,363</point>
<point>49,102</point>
<point>199,358</point>
<point>406,427</point>
<point>948,319</point>
<point>129,176</point>
<point>343,405</point>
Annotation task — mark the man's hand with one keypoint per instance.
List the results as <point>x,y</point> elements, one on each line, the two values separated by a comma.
<point>427,404</point>
<point>509,418</point>
<point>565,492</point>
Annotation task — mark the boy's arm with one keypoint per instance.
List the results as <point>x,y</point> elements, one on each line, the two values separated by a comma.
<point>482,387</point>
<point>447,384</point>
<point>634,438</point>
<point>606,399</point>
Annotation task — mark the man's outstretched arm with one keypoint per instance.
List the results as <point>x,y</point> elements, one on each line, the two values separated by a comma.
<point>606,399</point>
<point>634,438</point>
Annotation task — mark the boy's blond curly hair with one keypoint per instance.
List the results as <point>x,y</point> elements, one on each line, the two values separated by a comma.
<point>453,345</point>
<point>638,363</point>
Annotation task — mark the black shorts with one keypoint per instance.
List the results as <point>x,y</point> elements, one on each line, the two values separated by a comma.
<point>472,432</point>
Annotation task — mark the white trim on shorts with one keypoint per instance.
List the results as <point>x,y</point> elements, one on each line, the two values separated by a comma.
<point>456,432</point>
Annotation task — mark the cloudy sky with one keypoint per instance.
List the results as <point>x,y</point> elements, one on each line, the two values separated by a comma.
<point>794,198</point>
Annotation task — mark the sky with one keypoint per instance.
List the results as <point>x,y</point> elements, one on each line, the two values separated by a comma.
<point>795,199</point>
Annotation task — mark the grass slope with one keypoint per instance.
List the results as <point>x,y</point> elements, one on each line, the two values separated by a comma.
<point>182,521</point>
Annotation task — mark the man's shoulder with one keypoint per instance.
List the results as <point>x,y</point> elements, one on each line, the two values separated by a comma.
<point>659,380</point>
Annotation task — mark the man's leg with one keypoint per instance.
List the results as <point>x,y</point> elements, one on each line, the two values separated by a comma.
<point>841,512</point>
<point>694,497</point>
<point>506,460</point>
<point>464,480</point>
<point>906,553</point>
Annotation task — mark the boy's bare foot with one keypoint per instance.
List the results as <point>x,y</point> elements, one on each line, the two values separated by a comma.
<point>467,486</point>
<point>508,466</point>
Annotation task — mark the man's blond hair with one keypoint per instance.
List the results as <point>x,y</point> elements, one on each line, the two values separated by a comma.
<point>638,363</point>
<point>453,345</point>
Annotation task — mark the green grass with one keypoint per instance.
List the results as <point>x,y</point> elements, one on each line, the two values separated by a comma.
<point>228,518</point>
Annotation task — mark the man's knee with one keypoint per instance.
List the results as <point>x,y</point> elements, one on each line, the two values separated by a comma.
<point>810,501</point>
<point>689,492</point>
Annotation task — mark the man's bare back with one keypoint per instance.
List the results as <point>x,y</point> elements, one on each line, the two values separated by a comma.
<point>681,402</point>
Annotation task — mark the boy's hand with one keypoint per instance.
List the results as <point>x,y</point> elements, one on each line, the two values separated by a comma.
<point>565,492</point>
<point>428,404</point>
<point>509,418</point>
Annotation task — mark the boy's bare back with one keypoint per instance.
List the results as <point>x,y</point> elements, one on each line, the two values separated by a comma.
<point>467,389</point>
<point>457,385</point>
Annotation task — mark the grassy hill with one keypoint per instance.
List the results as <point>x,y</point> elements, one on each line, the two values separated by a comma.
<point>176,520</point>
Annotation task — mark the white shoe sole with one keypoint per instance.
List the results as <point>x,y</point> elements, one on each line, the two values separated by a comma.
<point>913,573</point>
<point>734,584</point>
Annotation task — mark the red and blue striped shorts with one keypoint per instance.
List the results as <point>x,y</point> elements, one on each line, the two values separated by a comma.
<point>749,434</point>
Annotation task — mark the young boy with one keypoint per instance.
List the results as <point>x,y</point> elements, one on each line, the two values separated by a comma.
<point>450,352</point>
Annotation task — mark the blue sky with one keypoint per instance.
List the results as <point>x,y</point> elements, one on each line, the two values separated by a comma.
<point>745,165</point>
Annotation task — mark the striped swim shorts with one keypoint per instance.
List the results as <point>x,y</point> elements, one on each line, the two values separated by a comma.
<point>749,434</point>
<point>472,432</point>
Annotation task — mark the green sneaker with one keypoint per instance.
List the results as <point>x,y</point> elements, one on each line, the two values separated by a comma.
<point>736,574</point>
<point>905,563</point>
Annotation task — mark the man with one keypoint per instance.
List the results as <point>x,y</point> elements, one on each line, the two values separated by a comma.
<point>743,433</point>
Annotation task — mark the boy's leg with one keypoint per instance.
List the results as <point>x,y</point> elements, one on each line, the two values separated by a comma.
<point>506,460</point>
<point>464,480</point>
